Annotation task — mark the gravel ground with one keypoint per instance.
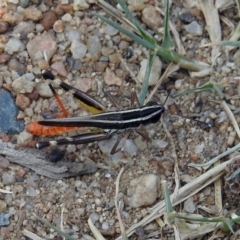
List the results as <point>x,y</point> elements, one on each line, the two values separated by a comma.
<point>66,38</point>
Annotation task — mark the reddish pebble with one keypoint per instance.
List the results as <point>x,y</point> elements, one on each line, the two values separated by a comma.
<point>7,87</point>
<point>154,163</point>
<point>194,157</point>
<point>84,84</point>
<point>4,26</point>
<point>22,101</point>
<point>48,20</point>
<point>33,95</point>
<point>4,163</point>
<point>2,11</point>
<point>59,68</point>
<point>4,57</point>
<point>5,138</point>
<point>21,173</point>
<point>5,233</point>
<point>61,9</point>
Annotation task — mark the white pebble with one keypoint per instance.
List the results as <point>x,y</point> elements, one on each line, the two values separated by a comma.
<point>199,148</point>
<point>67,17</point>
<point>94,217</point>
<point>105,226</point>
<point>189,206</point>
<point>178,83</point>
<point>155,71</point>
<point>14,45</point>
<point>24,137</point>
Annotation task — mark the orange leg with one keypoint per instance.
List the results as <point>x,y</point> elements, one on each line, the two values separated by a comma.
<point>39,130</point>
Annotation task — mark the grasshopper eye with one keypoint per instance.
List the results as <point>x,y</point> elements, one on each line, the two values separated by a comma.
<point>47,75</point>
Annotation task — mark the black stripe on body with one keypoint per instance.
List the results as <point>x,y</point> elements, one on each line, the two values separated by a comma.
<point>124,119</point>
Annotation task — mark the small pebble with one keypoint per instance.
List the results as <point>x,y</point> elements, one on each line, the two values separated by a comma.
<point>4,221</point>
<point>67,17</point>
<point>231,138</point>
<point>22,101</point>
<point>78,49</point>
<point>155,71</point>
<point>71,148</point>
<point>59,68</point>
<point>151,17</point>
<point>4,163</point>
<point>105,226</point>
<point>111,79</point>
<point>94,48</point>
<point>32,13</point>
<point>178,83</point>
<point>158,143</point>
<point>199,148</point>
<point>58,26</point>
<point>48,20</point>
<point>80,5</point>
<point>14,45</point>
<point>24,137</point>
<point>143,190</point>
<point>94,217</point>
<point>109,30</point>
<point>4,27</point>
<point>31,192</point>
<point>8,178</point>
<point>4,57</point>
<point>23,85</point>
<point>189,206</point>
<point>194,29</point>
<point>136,5</point>
<point>63,8</point>
<point>44,90</point>
<point>186,17</point>
<point>80,184</point>
<point>115,58</point>
<point>39,44</point>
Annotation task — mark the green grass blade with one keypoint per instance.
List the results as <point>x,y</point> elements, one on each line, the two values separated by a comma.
<point>206,87</point>
<point>217,219</point>
<point>145,35</point>
<point>129,34</point>
<point>179,59</point>
<point>230,43</point>
<point>227,225</point>
<point>150,43</point>
<point>166,196</point>
<point>167,40</point>
<point>56,229</point>
<point>144,89</point>
<point>234,175</point>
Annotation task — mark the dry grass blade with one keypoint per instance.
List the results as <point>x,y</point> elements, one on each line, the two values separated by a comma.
<point>176,169</point>
<point>212,161</point>
<point>95,231</point>
<point>123,232</point>
<point>218,192</point>
<point>213,26</point>
<point>183,193</point>
<point>231,117</point>
<point>170,69</point>
<point>31,235</point>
